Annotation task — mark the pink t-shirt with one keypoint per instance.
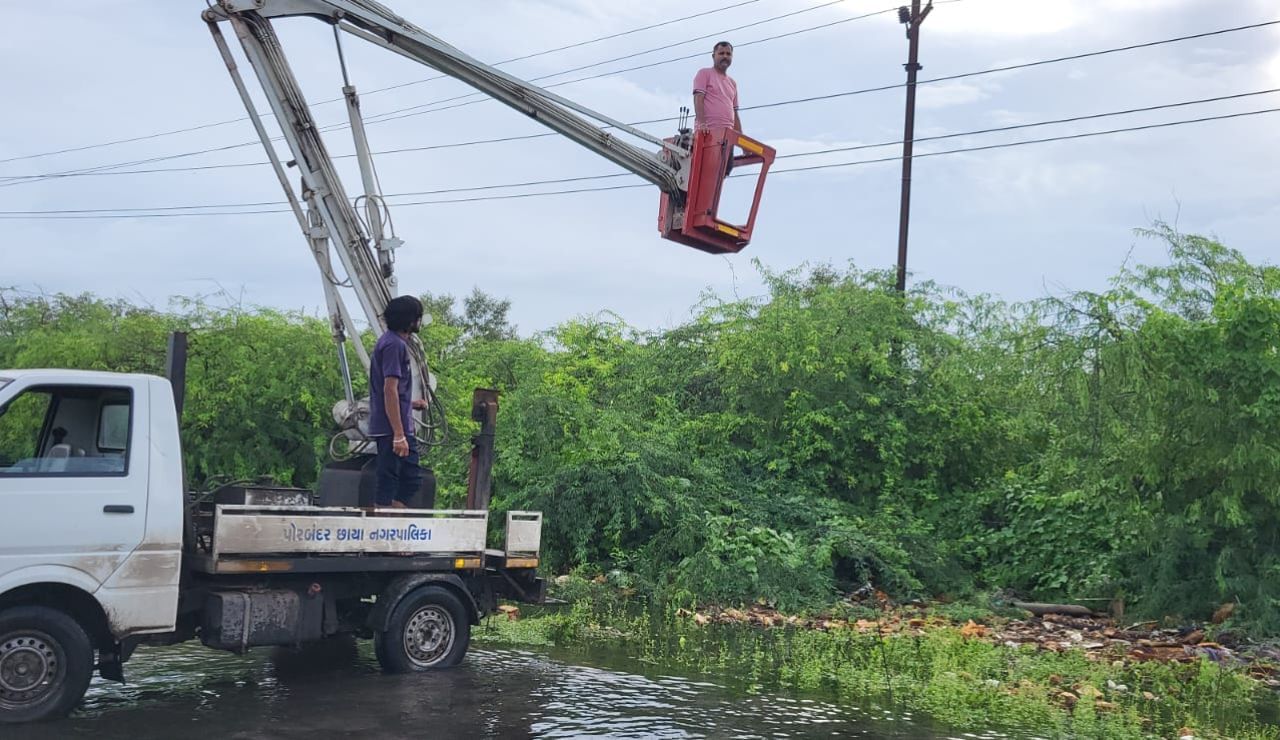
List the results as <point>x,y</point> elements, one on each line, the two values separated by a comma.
<point>719,98</point>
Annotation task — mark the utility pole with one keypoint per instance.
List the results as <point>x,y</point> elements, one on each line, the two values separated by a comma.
<point>912,18</point>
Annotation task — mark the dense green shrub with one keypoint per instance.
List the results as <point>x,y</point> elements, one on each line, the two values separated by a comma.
<point>798,445</point>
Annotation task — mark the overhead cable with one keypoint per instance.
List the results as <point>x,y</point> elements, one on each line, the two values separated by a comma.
<point>544,52</point>
<point>513,196</point>
<point>376,118</point>
<point>1006,68</point>
<point>834,150</point>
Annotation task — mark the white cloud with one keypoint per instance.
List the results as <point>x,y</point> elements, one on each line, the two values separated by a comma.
<point>1027,18</point>
<point>947,94</point>
<point>853,153</point>
<point>1004,117</point>
<point>1217,52</point>
<point>1006,17</point>
<point>622,98</point>
<point>1058,179</point>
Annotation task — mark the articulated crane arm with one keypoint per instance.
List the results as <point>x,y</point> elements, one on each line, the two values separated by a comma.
<point>365,251</point>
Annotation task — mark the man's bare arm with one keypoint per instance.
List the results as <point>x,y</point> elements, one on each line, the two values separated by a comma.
<point>697,107</point>
<point>391,402</point>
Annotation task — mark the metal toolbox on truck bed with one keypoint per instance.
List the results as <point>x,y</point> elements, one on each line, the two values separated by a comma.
<point>240,530</point>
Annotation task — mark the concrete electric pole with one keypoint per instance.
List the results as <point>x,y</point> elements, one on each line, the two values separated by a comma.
<point>912,18</point>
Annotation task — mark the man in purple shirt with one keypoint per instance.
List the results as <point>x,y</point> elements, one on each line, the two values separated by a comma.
<point>391,404</point>
<point>715,94</point>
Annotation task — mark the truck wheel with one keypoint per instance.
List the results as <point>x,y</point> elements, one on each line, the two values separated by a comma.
<point>428,629</point>
<point>46,661</point>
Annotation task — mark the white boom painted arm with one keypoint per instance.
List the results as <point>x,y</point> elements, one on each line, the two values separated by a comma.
<point>332,218</point>
<point>379,25</point>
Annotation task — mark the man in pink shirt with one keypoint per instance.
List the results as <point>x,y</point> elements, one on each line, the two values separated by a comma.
<point>715,95</point>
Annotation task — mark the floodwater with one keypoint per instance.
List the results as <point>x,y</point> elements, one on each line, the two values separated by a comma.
<point>336,690</point>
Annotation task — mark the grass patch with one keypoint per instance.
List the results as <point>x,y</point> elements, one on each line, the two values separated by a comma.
<point>965,683</point>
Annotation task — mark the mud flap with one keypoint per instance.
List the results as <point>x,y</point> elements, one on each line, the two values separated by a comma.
<point>110,668</point>
<point>397,589</point>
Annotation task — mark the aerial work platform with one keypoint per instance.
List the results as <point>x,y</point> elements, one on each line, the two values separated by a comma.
<point>696,222</point>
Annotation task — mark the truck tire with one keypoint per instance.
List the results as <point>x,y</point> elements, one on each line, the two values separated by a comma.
<point>46,661</point>
<point>428,629</point>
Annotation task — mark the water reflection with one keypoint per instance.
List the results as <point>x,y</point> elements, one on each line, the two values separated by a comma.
<point>338,691</point>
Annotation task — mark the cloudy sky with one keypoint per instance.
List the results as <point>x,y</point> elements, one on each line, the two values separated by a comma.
<point>1016,222</point>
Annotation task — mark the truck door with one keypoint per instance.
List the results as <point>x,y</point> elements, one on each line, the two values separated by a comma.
<point>73,480</point>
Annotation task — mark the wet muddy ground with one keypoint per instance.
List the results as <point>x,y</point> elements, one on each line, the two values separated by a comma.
<point>190,692</point>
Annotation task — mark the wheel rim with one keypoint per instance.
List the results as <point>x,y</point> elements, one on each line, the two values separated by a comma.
<point>30,668</point>
<point>428,635</point>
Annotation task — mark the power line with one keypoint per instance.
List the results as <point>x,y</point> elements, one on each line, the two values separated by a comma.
<point>19,179</point>
<point>55,215</point>
<point>1038,63</point>
<point>544,52</point>
<point>478,97</point>
<point>566,47</point>
<point>858,147</point>
<point>237,165</point>
<point>416,110</point>
<point>1046,140</point>
<point>1018,126</point>
<point>379,118</point>
<point>474,98</point>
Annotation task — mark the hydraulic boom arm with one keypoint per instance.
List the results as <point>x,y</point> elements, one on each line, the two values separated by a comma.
<point>365,251</point>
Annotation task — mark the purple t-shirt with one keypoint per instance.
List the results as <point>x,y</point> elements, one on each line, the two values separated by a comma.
<point>390,359</point>
<point>719,98</point>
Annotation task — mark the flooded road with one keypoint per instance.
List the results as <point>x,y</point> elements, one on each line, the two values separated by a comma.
<point>188,692</point>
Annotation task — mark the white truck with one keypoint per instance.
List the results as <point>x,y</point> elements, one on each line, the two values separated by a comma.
<point>101,548</point>
<point>101,551</point>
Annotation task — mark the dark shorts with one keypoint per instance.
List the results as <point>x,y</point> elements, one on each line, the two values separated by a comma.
<point>398,477</point>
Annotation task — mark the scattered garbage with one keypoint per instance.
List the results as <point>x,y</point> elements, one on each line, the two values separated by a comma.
<point>1098,636</point>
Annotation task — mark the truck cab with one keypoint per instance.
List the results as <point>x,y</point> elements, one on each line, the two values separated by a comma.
<point>91,484</point>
